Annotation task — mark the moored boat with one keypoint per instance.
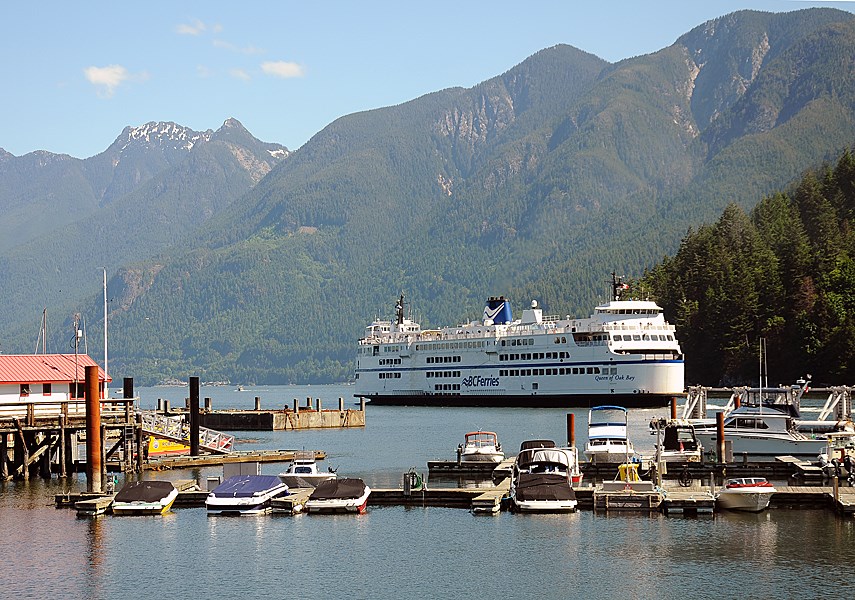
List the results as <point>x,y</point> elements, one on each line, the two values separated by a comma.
<point>625,351</point>
<point>245,495</point>
<point>481,446</point>
<point>676,442</point>
<point>150,497</point>
<point>303,472</point>
<point>339,495</point>
<point>750,494</point>
<point>607,438</point>
<point>542,478</point>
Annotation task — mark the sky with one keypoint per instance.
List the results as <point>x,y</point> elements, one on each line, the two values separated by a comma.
<point>75,74</point>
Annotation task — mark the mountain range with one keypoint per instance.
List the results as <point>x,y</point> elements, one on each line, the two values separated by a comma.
<point>235,259</point>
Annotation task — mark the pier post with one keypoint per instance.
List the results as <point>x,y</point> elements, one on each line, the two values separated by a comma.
<point>296,406</point>
<point>165,406</point>
<point>571,430</point>
<point>319,404</point>
<point>93,430</point>
<point>719,431</point>
<point>309,403</point>
<point>835,486</point>
<point>128,388</point>
<point>340,404</point>
<point>103,456</point>
<point>4,456</point>
<point>673,409</point>
<point>258,403</point>
<point>194,416</point>
<point>362,404</point>
<point>207,405</point>
<point>62,447</point>
<point>139,439</point>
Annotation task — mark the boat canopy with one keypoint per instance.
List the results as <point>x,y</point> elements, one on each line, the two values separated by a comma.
<point>338,489</point>
<point>246,486</point>
<point>144,491</point>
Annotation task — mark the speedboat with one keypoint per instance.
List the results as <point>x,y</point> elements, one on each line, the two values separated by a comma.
<point>303,472</point>
<point>676,441</point>
<point>339,495</point>
<point>245,495</point>
<point>746,493</point>
<point>607,440</point>
<point>839,451</point>
<point>542,479</point>
<point>144,498</point>
<point>481,446</point>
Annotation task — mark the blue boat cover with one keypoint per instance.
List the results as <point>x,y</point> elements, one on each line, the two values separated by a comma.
<point>244,486</point>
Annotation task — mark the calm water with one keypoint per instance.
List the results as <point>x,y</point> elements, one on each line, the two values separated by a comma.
<point>394,552</point>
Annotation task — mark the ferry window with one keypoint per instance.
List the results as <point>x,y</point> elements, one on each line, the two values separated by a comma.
<point>534,386</point>
<point>636,337</point>
<point>561,371</point>
<point>531,342</point>
<point>590,370</point>
<point>563,340</point>
<point>596,370</point>
<point>645,337</point>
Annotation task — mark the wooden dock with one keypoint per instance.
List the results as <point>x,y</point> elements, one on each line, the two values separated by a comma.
<point>294,503</point>
<point>208,460</point>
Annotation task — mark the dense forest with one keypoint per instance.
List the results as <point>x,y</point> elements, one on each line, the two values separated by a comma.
<point>783,273</point>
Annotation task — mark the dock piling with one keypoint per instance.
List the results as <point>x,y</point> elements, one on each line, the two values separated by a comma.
<point>194,416</point>
<point>258,403</point>
<point>93,430</point>
<point>571,430</point>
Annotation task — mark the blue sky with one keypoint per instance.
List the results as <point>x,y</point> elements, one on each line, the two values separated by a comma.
<point>75,74</point>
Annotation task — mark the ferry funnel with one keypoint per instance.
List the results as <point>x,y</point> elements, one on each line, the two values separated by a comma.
<point>498,310</point>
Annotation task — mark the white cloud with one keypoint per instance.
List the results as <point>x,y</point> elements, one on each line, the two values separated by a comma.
<point>106,79</point>
<point>203,71</point>
<point>240,74</point>
<point>281,68</point>
<point>194,28</point>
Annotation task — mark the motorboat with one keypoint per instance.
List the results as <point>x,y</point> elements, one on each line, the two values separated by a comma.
<point>839,451</point>
<point>675,442</point>
<point>746,493</point>
<point>542,478</point>
<point>761,430</point>
<point>303,472</point>
<point>245,495</point>
<point>150,497</point>
<point>339,495</point>
<point>481,446</point>
<point>607,439</point>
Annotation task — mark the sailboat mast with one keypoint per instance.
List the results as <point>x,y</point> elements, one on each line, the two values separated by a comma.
<point>106,393</point>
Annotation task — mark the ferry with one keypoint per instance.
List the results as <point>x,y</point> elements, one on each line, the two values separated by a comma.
<point>625,353</point>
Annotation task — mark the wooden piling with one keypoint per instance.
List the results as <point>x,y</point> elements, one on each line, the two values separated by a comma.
<point>719,429</point>
<point>4,457</point>
<point>63,447</point>
<point>93,430</point>
<point>673,409</point>
<point>194,416</point>
<point>571,430</point>
<point>258,403</point>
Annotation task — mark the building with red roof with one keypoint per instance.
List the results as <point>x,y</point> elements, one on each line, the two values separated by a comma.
<point>45,377</point>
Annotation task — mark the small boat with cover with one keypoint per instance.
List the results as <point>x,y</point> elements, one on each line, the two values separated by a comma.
<point>151,497</point>
<point>245,495</point>
<point>339,496</point>
<point>542,478</point>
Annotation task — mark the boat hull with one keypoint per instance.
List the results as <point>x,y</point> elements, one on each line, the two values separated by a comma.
<point>340,505</point>
<point>563,400</point>
<point>745,500</point>
<point>145,508</point>
<point>755,445</point>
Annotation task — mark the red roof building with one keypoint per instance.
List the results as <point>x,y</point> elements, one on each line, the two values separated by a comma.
<point>45,376</point>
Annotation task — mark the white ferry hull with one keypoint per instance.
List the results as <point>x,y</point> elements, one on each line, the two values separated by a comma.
<point>625,353</point>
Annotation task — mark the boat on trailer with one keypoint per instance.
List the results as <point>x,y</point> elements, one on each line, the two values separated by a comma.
<point>150,497</point>
<point>626,351</point>
<point>245,495</point>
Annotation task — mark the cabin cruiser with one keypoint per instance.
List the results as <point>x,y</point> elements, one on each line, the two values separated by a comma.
<point>760,430</point>
<point>607,439</point>
<point>746,493</point>
<point>144,498</point>
<point>675,442</point>
<point>245,495</point>
<point>481,446</point>
<point>339,495</point>
<point>542,479</point>
<point>303,471</point>
<point>839,451</point>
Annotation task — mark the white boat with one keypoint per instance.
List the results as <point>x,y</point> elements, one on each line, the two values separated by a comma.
<point>144,498</point>
<point>839,451</point>
<point>762,431</point>
<point>245,495</point>
<point>625,352</point>
<point>542,478</point>
<point>746,493</point>
<point>481,446</point>
<point>676,442</point>
<point>303,471</point>
<point>607,439</point>
<point>339,495</point>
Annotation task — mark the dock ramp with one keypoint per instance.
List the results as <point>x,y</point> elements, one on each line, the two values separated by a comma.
<point>175,429</point>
